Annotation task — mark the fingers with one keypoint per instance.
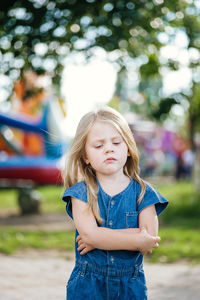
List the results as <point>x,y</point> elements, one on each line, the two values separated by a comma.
<point>150,242</point>
<point>157,239</point>
<point>84,251</point>
<point>78,238</point>
<point>81,246</point>
<point>156,245</point>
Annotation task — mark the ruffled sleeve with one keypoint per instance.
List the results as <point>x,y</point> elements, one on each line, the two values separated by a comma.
<point>79,191</point>
<point>152,196</point>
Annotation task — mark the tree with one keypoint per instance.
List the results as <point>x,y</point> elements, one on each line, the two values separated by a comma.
<point>183,19</point>
<point>38,34</point>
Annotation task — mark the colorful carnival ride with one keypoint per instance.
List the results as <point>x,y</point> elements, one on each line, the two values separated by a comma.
<point>32,143</point>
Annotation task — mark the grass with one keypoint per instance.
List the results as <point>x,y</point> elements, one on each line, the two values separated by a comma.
<point>182,211</point>
<point>177,244</point>
<point>13,240</point>
<point>8,199</point>
<point>51,197</point>
<point>179,225</point>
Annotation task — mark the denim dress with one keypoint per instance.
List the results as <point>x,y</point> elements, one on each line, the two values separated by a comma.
<point>113,274</point>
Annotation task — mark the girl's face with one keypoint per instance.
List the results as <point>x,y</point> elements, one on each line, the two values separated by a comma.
<point>105,149</point>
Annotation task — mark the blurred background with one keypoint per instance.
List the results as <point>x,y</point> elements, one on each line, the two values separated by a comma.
<point>59,59</point>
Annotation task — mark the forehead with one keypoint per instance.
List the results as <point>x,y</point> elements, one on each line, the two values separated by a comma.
<point>102,130</point>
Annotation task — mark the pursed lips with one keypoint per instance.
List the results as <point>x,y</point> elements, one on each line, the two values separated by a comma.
<point>109,160</point>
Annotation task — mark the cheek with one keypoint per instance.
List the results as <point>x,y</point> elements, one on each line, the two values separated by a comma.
<point>91,157</point>
<point>126,151</point>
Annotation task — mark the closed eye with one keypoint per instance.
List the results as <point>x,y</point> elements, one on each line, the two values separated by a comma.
<point>98,146</point>
<point>116,143</point>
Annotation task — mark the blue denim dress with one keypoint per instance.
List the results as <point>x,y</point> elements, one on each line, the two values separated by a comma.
<point>116,274</point>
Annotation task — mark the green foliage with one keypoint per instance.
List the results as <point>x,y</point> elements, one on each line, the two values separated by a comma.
<point>163,108</point>
<point>151,68</point>
<point>39,34</point>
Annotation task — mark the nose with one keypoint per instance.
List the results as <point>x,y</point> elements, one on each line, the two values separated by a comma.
<point>108,148</point>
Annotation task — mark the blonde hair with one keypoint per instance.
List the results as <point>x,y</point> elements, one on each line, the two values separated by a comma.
<point>77,170</point>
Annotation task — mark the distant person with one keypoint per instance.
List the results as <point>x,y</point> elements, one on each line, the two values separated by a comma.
<point>184,164</point>
<point>188,160</point>
<point>114,210</point>
<point>180,167</point>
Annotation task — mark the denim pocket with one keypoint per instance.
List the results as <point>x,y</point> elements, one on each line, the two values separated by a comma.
<point>131,219</point>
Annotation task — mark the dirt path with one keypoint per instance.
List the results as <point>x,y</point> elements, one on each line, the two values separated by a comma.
<point>43,276</point>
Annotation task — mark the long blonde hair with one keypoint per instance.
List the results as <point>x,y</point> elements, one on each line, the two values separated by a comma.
<point>77,170</point>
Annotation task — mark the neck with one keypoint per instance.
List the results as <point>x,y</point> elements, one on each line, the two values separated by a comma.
<point>114,178</point>
<point>113,184</point>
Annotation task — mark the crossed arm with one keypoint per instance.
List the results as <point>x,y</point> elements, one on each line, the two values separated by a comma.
<point>91,236</point>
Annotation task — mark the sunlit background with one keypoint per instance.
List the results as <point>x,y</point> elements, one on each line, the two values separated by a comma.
<point>85,87</point>
<point>88,85</point>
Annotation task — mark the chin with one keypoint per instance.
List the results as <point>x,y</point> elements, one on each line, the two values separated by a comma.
<point>110,172</point>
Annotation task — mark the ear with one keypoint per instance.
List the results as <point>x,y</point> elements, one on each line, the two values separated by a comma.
<point>86,160</point>
<point>128,154</point>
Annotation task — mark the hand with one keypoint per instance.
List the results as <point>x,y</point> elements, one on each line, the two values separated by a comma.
<point>148,242</point>
<point>82,246</point>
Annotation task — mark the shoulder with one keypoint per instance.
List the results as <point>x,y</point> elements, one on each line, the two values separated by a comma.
<point>151,197</point>
<point>136,187</point>
<point>78,190</point>
<point>150,190</point>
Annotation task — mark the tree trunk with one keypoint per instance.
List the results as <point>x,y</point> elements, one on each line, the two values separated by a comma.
<point>196,169</point>
<point>192,120</point>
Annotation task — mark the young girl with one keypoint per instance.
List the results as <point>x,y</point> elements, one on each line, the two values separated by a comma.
<point>114,210</point>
